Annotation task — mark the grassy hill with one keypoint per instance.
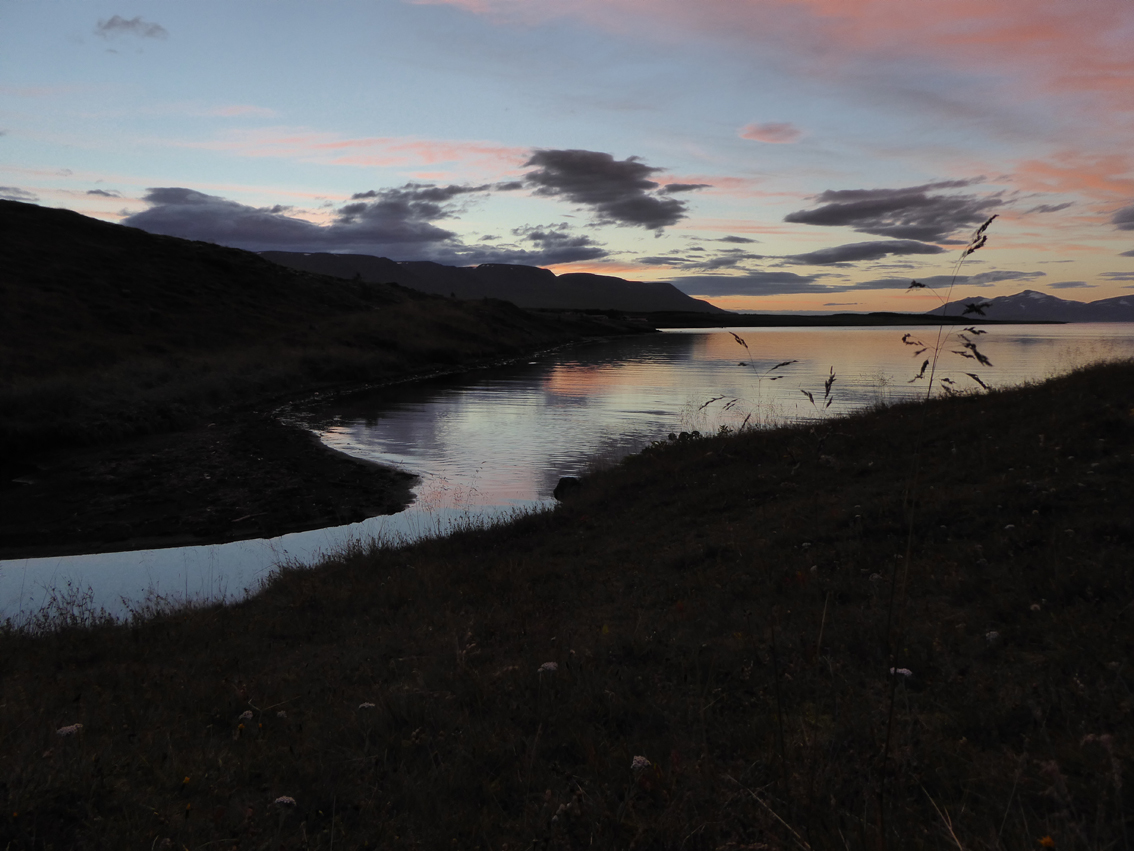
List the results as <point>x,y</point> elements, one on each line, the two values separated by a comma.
<point>108,331</point>
<point>727,643</point>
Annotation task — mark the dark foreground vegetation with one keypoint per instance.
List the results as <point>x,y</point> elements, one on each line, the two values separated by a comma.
<point>693,652</point>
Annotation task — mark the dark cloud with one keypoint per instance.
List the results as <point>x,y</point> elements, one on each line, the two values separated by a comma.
<point>727,259</point>
<point>14,193</point>
<point>104,193</point>
<point>840,303</point>
<point>908,213</point>
<point>118,26</point>
<point>554,244</point>
<point>942,282</point>
<point>739,240</point>
<point>1129,253</point>
<point>753,283</point>
<point>1050,208</point>
<point>425,192</point>
<point>1124,219</point>
<point>1071,285</point>
<point>414,202</point>
<point>1118,276</point>
<point>670,188</point>
<point>397,223</point>
<point>397,219</point>
<point>835,256</point>
<point>785,283</point>
<point>619,191</point>
<point>856,251</point>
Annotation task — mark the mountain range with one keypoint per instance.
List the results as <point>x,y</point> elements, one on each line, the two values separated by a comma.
<point>525,286</point>
<point>1032,306</point>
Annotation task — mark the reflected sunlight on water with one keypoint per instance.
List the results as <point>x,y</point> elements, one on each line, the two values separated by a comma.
<point>493,441</point>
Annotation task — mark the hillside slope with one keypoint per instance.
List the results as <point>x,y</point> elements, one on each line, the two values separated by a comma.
<point>107,330</point>
<point>527,286</point>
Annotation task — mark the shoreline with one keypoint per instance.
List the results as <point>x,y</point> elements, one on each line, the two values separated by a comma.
<point>245,478</point>
<point>257,473</point>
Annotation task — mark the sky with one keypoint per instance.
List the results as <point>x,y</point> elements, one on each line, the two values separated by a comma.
<point>769,155</point>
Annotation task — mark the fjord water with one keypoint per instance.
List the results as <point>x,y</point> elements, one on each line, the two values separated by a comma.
<point>496,440</point>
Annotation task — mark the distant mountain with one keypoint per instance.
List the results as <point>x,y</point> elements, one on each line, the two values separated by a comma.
<point>526,286</point>
<point>1033,306</point>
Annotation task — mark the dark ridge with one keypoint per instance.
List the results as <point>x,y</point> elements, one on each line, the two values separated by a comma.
<point>526,286</point>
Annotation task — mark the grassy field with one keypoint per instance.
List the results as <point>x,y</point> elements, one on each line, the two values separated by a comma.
<point>726,643</point>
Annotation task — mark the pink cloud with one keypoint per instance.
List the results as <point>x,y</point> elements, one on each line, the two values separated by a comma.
<point>1102,177</point>
<point>773,132</point>
<point>377,151</point>
<point>1041,46</point>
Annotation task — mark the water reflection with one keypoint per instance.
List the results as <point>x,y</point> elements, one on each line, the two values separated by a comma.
<point>498,440</point>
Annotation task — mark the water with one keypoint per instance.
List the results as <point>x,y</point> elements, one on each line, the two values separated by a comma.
<point>496,441</point>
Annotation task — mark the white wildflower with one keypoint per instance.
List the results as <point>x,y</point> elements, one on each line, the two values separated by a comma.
<point>901,672</point>
<point>991,636</point>
<point>1036,607</point>
<point>246,715</point>
<point>548,668</point>
<point>285,801</point>
<point>366,706</point>
<point>69,730</point>
<point>281,714</point>
<point>639,764</point>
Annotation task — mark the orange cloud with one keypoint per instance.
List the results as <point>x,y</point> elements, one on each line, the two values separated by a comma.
<point>1102,177</point>
<point>629,271</point>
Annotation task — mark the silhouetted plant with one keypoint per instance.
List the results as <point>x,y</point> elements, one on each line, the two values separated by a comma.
<point>968,349</point>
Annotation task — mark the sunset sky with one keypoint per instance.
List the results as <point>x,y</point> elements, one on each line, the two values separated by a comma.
<point>763,154</point>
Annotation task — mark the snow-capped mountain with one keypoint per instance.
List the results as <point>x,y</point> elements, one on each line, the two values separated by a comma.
<point>1033,306</point>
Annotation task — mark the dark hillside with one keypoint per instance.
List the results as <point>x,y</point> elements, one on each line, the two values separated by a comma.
<point>527,286</point>
<point>107,331</point>
<point>138,375</point>
<point>81,294</point>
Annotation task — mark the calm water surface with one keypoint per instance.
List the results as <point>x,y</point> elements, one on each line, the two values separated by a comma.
<point>494,441</point>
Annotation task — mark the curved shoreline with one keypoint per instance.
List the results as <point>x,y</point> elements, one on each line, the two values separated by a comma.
<point>251,474</point>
